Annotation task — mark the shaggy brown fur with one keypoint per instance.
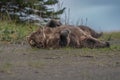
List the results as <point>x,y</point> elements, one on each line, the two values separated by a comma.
<point>53,23</point>
<point>38,38</point>
<point>64,36</point>
<point>90,31</point>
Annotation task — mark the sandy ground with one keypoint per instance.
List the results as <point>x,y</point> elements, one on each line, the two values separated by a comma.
<point>21,62</point>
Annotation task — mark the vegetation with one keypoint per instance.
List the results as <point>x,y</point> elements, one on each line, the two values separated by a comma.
<point>11,32</point>
<point>20,10</point>
<point>111,36</point>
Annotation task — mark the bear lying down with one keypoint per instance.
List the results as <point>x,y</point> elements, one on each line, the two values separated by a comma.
<point>64,36</point>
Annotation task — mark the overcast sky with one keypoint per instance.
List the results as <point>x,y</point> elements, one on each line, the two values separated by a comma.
<point>103,15</point>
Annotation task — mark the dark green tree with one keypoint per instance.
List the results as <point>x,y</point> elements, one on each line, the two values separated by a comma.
<point>46,9</point>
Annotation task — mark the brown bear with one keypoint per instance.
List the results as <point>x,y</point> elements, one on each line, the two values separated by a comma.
<point>64,36</point>
<point>53,23</point>
<point>56,23</point>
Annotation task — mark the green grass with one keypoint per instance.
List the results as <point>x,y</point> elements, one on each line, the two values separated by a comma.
<point>11,32</point>
<point>111,36</point>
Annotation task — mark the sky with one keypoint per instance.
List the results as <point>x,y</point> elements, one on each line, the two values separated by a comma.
<point>102,15</point>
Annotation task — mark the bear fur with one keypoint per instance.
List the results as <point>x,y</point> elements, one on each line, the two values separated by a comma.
<point>53,23</point>
<point>63,36</point>
<point>90,31</point>
<point>56,23</point>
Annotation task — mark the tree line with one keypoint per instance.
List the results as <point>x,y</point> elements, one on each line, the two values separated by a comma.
<point>30,10</point>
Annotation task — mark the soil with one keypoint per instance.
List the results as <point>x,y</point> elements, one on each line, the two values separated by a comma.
<point>21,62</point>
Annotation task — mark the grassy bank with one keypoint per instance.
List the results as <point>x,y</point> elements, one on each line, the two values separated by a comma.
<point>11,32</point>
<point>16,33</point>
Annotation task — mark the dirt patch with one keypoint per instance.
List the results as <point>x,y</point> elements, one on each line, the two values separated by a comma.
<point>21,62</point>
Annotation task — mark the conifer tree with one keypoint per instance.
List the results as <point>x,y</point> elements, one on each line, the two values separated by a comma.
<point>22,8</point>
